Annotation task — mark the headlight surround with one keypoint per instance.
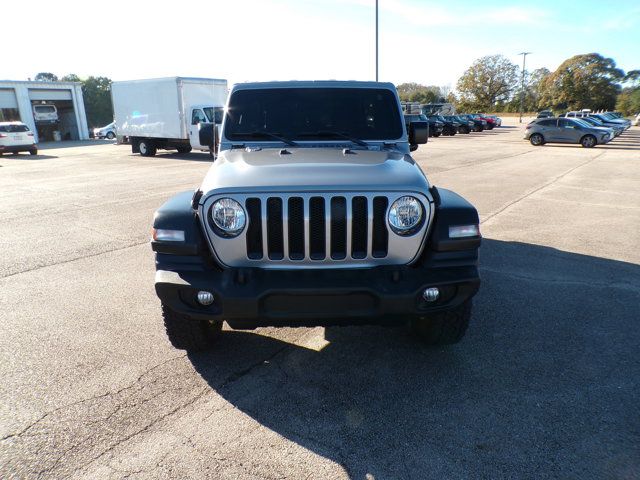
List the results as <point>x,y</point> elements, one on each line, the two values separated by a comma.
<point>406,215</point>
<point>228,217</point>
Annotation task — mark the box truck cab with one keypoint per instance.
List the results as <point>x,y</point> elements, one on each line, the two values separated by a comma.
<point>174,113</point>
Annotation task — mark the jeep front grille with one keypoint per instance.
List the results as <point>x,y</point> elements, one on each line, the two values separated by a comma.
<point>317,230</point>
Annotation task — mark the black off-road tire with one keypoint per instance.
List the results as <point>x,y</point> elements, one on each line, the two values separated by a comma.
<point>184,149</point>
<point>588,141</point>
<point>187,334</point>
<point>147,148</point>
<point>536,140</point>
<point>443,328</point>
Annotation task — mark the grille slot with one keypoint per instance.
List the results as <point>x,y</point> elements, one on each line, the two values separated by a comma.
<point>275,238</point>
<point>338,228</point>
<point>296,228</point>
<point>359,232</point>
<point>254,229</point>
<point>380,234</point>
<point>317,229</point>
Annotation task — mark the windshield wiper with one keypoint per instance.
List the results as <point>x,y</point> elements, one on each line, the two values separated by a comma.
<point>263,134</point>
<point>330,133</point>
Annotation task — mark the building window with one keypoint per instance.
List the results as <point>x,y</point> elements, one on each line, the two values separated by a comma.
<point>9,115</point>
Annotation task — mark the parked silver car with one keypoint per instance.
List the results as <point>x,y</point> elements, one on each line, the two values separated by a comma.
<point>566,130</point>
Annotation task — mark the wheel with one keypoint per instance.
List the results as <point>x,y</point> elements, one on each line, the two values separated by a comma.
<point>187,334</point>
<point>111,135</point>
<point>536,140</point>
<point>437,134</point>
<point>443,328</point>
<point>588,141</point>
<point>184,149</point>
<point>33,151</point>
<point>147,149</point>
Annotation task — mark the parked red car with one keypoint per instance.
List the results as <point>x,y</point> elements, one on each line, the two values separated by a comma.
<point>491,122</point>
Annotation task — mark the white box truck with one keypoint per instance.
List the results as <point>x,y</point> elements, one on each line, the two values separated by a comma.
<point>174,113</point>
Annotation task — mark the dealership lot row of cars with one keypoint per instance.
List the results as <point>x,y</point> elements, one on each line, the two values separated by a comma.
<point>453,124</point>
<point>579,127</point>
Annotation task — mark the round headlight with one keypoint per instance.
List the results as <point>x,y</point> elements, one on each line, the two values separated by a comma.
<point>405,215</point>
<point>228,216</point>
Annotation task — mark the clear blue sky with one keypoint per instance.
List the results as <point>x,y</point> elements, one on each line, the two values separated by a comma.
<point>430,42</point>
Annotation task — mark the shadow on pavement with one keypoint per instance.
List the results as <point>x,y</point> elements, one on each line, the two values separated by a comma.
<point>546,380</point>
<point>25,156</point>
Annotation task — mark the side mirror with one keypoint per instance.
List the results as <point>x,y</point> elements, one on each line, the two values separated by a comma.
<point>418,133</point>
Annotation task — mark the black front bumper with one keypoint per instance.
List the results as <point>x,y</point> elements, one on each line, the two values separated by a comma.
<point>248,298</point>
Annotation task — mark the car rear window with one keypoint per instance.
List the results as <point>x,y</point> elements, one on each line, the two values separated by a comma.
<point>45,108</point>
<point>300,113</point>
<point>13,128</point>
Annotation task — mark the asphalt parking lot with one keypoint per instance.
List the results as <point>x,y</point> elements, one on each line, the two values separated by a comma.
<point>546,384</point>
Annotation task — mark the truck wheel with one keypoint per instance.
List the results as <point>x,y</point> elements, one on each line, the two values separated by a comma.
<point>536,140</point>
<point>147,149</point>
<point>588,141</point>
<point>436,134</point>
<point>33,151</point>
<point>184,149</point>
<point>111,135</point>
<point>443,328</point>
<point>187,334</point>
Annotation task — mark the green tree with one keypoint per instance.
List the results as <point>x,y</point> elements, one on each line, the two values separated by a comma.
<point>71,77</point>
<point>97,101</point>
<point>488,81</point>
<point>46,77</point>
<point>415,92</point>
<point>583,81</point>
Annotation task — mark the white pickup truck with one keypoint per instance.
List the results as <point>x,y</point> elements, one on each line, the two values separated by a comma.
<point>173,113</point>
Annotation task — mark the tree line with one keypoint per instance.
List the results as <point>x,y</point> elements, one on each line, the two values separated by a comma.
<point>494,83</point>
<point>96,92</point>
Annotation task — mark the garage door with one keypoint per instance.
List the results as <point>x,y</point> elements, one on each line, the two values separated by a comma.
<point>49,94</point>
<point>8,98</point>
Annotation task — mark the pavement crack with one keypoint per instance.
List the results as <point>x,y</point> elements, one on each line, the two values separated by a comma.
<point>89,399</point>
<point>631,287</point>
<point>70,260</point>
<point>541,187</point>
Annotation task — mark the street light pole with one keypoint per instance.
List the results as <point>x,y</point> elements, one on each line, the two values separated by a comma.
<point>524,58</point>
<point>376,40</point>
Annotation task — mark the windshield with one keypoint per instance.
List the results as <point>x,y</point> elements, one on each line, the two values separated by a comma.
<point>14,128</point>
<point>314,114</point>
<point>45,108</point>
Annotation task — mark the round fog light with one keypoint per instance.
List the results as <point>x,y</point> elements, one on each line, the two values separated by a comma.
<point>431,294</point>
<point>205,298</point>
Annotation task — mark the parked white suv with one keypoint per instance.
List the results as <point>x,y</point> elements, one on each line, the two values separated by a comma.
<point>636,122</point>
<point>108,131</point>
<point>16,137</point>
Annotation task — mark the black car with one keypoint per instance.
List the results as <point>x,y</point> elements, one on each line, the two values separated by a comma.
<point>479,124</point>
<point>449,127</point>
<point>435,126</point>
<point>466,125</point>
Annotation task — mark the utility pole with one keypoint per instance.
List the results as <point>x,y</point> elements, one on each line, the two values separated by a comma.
<point>376,40</point>
<point>524,59</point>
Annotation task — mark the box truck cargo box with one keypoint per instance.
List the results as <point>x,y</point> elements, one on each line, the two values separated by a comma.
<point>174,113</point>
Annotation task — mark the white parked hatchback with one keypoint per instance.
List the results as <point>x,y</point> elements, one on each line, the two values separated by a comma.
<point>16,137</point>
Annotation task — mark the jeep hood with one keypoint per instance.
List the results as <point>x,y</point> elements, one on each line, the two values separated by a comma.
<point>313,169</point>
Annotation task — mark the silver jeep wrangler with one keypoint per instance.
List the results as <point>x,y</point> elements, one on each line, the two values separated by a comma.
<point>314,213</point>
